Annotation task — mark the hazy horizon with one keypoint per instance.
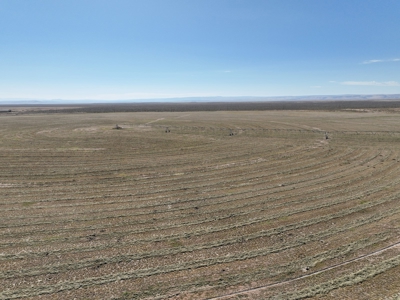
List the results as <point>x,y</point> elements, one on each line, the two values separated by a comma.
<point>355,97</point>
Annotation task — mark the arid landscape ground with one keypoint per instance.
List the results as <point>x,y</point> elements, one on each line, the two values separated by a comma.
<point>272,204</point>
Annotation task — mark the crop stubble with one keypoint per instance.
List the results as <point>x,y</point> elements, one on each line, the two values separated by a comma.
<point>274,211</point>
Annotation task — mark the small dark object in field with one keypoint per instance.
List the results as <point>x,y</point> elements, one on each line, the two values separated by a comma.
<point>167,130</point>
<point>117,127</point>
<point>91,237</point>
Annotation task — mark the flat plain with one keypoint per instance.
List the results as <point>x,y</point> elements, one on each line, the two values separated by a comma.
<point>200,205</point>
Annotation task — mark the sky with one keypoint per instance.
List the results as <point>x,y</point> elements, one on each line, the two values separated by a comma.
<point>142,49</point>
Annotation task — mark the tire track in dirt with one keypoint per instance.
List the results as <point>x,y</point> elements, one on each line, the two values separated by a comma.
<point>260,288</point>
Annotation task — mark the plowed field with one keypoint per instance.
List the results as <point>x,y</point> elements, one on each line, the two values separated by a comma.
<point>224,205</point>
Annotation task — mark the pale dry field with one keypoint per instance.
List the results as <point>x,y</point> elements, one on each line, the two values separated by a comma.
<point>274,211</point>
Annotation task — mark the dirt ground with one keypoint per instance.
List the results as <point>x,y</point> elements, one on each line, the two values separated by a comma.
<point>200,205</point>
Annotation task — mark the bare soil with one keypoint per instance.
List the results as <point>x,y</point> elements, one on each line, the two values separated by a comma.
<point>222,205</point>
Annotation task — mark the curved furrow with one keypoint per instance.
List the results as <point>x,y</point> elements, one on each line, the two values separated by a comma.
<point>180,208</point>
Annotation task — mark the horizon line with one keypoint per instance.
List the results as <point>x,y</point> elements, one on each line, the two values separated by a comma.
<point>361,96</point>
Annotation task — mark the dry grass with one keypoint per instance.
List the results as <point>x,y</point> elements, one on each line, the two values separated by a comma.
<point>274,211</point>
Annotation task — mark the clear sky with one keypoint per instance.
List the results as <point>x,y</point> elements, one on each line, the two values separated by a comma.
<point>136,49</point>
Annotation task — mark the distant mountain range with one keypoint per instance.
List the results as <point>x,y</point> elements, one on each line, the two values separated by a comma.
<point>375,97</point>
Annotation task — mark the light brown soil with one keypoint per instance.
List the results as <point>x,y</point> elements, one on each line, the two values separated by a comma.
<point>274,211</point>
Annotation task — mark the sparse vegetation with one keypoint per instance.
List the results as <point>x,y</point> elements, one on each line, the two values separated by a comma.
<point>242,204</point>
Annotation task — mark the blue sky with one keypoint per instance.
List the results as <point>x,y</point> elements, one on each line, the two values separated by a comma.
<point>137,49</point>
